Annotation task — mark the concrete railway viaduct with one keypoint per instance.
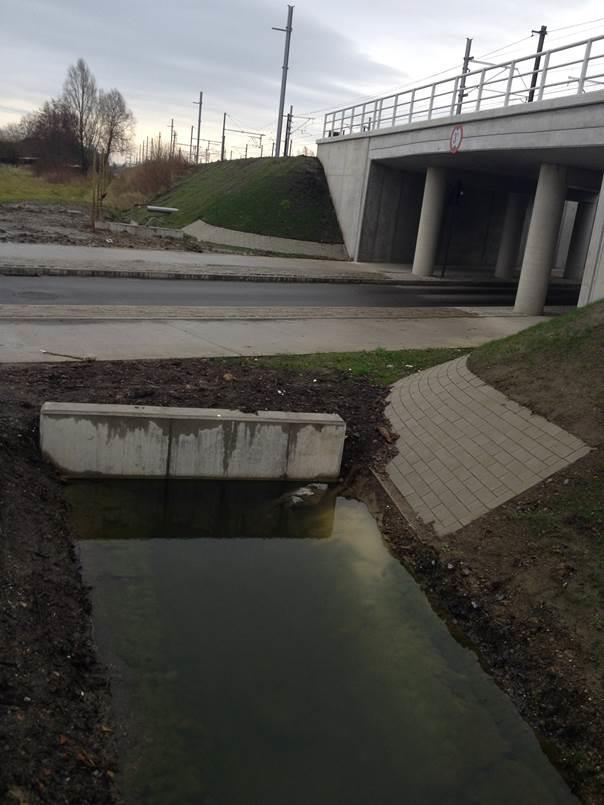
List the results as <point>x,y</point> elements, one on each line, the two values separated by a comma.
<point>497,172</point>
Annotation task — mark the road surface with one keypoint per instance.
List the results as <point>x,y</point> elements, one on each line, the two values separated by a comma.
<point>107,291</point>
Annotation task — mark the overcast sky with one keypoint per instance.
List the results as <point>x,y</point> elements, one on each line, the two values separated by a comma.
<point>161,54</point>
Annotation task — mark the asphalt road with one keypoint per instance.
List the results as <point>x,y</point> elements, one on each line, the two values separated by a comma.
<point>145,292</point>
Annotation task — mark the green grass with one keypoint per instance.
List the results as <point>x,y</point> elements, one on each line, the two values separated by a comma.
<point>383,367</point>
<point>563,338</point>
<point>555,368</point>
<point>286,198</point>
<point>19,184</point>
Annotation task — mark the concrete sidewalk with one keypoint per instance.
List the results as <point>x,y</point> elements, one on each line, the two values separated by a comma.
<point>48,340</point>
<point>25,259</point>
<point>465,448</point>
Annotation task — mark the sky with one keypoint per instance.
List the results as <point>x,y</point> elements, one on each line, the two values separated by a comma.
<point>160,55</point>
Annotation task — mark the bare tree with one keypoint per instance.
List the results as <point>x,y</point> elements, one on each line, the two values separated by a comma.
<point>51,135</point>
<point>115,123</point>
<point>81,97</point>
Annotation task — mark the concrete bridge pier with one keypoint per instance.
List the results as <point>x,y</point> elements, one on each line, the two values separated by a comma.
<point>579,242</point>
<point>511,235</point>
<point>430,221</point>
<point>542,240</point>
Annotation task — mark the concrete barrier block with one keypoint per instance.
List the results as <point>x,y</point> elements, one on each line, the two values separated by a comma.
<point>85,439</point>
<point>154,442</point>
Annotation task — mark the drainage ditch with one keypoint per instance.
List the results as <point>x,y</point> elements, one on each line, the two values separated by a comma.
<point>264,647</point>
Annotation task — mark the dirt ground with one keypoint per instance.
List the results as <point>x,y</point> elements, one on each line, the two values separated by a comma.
<point>29,222</point>
<point>516,594</point>
<point>55,730</point>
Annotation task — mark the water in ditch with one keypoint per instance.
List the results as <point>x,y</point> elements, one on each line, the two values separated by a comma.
<point>266,649</point>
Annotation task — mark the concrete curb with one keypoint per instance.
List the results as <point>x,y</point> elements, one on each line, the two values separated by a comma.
<point>348,279</point>
<point>197,313</point>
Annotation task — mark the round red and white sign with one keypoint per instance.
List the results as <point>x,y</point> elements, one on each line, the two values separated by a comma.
<point>456,139</point>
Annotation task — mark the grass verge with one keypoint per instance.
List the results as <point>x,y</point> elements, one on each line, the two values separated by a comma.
<point>19,184</point>
<point>381,366</point>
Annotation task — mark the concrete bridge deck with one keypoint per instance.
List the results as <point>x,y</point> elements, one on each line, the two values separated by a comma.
<point>513,191</point>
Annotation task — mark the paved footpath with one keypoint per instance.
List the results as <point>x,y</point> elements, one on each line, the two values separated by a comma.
<point>34,259</point>
<point>465,448</point>
<point>125,334</point>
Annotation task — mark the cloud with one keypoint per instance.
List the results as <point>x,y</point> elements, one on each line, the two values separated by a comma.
<point>160,57</point>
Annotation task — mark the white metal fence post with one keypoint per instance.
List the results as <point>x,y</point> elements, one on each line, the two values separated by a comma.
<point>480,89</point>
<point>454,96</point>
<point>584,67</point>
<point>431,105</point>
<point>508,89</point>
<point>411,105</point>
<point>543,76</point>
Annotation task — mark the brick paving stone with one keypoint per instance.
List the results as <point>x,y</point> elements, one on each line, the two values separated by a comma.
<point>465,448</point>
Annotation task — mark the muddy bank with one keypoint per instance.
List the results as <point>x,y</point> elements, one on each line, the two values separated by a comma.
<point>55,725</point>
<point>29,222</point>
<point>486,579</point>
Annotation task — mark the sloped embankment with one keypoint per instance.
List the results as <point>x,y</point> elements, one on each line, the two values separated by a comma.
<point>285,198</point>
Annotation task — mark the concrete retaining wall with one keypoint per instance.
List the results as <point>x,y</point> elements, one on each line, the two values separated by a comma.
<point>246,240</point>
<point>135,441</point>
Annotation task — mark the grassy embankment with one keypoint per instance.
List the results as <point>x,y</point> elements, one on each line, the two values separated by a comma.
<point>544,551</point>
<point>19,184</point>
<point>557,370</point>
<point>281,197</point>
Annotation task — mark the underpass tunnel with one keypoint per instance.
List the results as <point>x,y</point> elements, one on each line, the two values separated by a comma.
<point>525,225</point>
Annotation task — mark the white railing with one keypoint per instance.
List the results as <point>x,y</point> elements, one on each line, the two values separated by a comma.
<point>565,70</point>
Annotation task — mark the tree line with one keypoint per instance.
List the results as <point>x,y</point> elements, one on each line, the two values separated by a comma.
<point>84,122</point>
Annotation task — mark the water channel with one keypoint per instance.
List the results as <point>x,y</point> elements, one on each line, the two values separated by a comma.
<point>266,649</point>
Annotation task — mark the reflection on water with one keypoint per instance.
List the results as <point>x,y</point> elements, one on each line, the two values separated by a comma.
<point>118,509</point>
<point>295,671</point>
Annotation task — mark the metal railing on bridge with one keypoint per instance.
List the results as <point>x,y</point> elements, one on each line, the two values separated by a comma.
<point>566,70</point>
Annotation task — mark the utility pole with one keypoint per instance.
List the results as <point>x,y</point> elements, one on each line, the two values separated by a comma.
<point>246,151</point>
<point>542,34</point>
<point>288,33</point>
<point>171,135</point>
<point>223,137</point>
<point>464,71</point>
<point>273,148</point>
<point>288,131</point>
<point>191,145</point>
<point>291,147</point>
<point>200,102</point>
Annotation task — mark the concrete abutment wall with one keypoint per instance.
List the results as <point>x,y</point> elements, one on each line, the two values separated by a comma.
<point>153,442</point>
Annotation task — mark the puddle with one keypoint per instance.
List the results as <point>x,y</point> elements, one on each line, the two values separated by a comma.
<point>302,669</point>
